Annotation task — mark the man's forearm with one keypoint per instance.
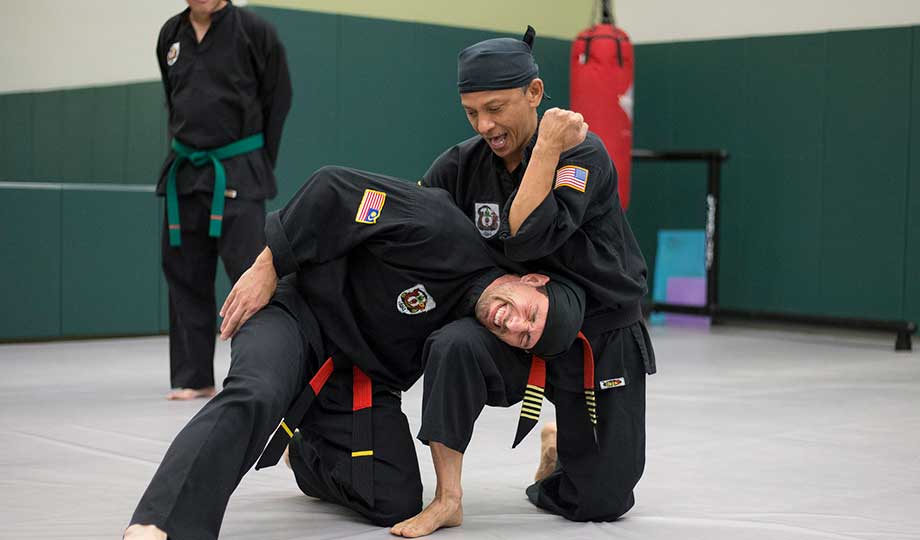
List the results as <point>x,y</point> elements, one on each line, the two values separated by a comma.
<point>535,186</point>
<point>265,260</point>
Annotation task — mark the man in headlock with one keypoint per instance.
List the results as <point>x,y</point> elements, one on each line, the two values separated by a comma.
<point>370,266</point>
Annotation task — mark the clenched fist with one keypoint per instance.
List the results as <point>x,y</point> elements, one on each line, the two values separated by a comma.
<point>561,130</point>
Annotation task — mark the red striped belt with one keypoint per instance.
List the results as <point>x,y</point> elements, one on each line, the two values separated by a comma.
<point>362,434</point>
<point>532,403</point>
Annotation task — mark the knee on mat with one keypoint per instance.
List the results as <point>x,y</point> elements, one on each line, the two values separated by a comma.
<point>603,502</point>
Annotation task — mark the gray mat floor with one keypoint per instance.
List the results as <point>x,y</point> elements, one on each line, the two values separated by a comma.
<point>752,434</point>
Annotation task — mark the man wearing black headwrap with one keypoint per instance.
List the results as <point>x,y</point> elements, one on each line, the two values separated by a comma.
<point>548,198</point>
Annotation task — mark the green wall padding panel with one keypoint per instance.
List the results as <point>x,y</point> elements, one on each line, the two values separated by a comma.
<point>109,129</point>
<point>912,245</point>
<point>110,263</point>
<point>771,210</point>
<point>865,173</point>
<point>653,95</point>
<point>145,136</point>
<point>370,87</point>
<point>311,131</point>
<point>16,136</point>
<point>62,144</point>
<point>379,95</point>
<point>48,135</point>
<point>30,280</point>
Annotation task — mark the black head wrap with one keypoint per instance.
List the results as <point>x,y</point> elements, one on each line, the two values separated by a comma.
<point>564,317</point>
<point>497,64</point>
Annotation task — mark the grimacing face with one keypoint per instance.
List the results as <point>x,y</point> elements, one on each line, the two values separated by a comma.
<point>515,309</point>
<point>506,119</point>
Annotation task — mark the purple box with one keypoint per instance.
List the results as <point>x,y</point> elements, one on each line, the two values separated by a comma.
<point>686,291</point>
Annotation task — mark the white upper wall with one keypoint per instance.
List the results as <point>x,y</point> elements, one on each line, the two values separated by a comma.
<point>651,21</point>
<point>46,44</point>
<point>70,43</point>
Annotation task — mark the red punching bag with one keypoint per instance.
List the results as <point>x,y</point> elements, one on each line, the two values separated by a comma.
<point>601,89</point>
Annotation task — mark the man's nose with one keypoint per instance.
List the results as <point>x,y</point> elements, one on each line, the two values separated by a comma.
<point>516,324</point>
<point>484,124</point>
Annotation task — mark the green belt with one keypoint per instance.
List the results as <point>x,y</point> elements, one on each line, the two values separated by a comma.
<point>199,158</point>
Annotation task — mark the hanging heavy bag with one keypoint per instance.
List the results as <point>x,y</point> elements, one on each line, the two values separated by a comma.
<point>601,89</point>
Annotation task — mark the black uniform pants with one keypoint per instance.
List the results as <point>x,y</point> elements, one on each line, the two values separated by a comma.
<point>468,368</point>
<point>270,367</point>
<point>190,270</point>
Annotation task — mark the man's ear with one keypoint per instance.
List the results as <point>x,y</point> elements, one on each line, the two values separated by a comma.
<point>535,280</point>
<point>534,93</point>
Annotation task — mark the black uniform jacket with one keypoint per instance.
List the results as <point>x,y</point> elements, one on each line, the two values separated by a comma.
<point>578,231</point>
<point>233,84</point>
<point>582,235</point>
<point>381,262</point>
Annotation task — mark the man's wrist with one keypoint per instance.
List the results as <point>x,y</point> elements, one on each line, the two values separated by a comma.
<point>265,259</point>
<point>546,150</point>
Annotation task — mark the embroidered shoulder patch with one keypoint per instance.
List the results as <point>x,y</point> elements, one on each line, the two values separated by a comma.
<point>573,177</point>
<point>613,383</point>
<point>370,207</point>
<point>415,300</point>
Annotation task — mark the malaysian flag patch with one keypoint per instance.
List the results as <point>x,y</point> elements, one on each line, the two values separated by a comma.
<point>573,177</point>
<point>370,207</point>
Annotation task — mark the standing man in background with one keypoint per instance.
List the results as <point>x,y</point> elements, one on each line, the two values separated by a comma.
<point>228,92</point>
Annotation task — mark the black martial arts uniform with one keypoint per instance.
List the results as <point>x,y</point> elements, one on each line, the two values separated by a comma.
<point>373,266</point>
<point>233,87</point>
<point>579,231</point>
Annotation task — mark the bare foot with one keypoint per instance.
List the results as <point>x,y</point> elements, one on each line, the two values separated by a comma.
<point>287,456</point>
<point>185,394</point>
<point>143,532</point>
<point>441,513</point>
<point>548,452</point>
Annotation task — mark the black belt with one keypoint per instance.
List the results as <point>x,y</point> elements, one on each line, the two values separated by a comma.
<point>362,435</point>
<point>612,320</point>
<point>532,403</point>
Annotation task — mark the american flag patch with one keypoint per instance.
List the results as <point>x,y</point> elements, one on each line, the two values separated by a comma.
<point>370,207</point>
<point>572,177</point>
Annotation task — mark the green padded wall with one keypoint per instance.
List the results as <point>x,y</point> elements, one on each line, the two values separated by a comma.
<point>16,136</point>
<point>145,133</point>
<point>865,180</point>
<point>109,263</point>
<point>912,244</point>
<point>30,283</point>
<point>311,131</point>
<point>815,195</point>
<point>771,207</point>
<point>379,95</point>
<point>819,199</point>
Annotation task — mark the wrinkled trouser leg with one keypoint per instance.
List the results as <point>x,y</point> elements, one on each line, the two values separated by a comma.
<point>467,368</point>
<point>189,492</point>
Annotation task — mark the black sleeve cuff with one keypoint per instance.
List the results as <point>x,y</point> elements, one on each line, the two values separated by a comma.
<point>282,255</point>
